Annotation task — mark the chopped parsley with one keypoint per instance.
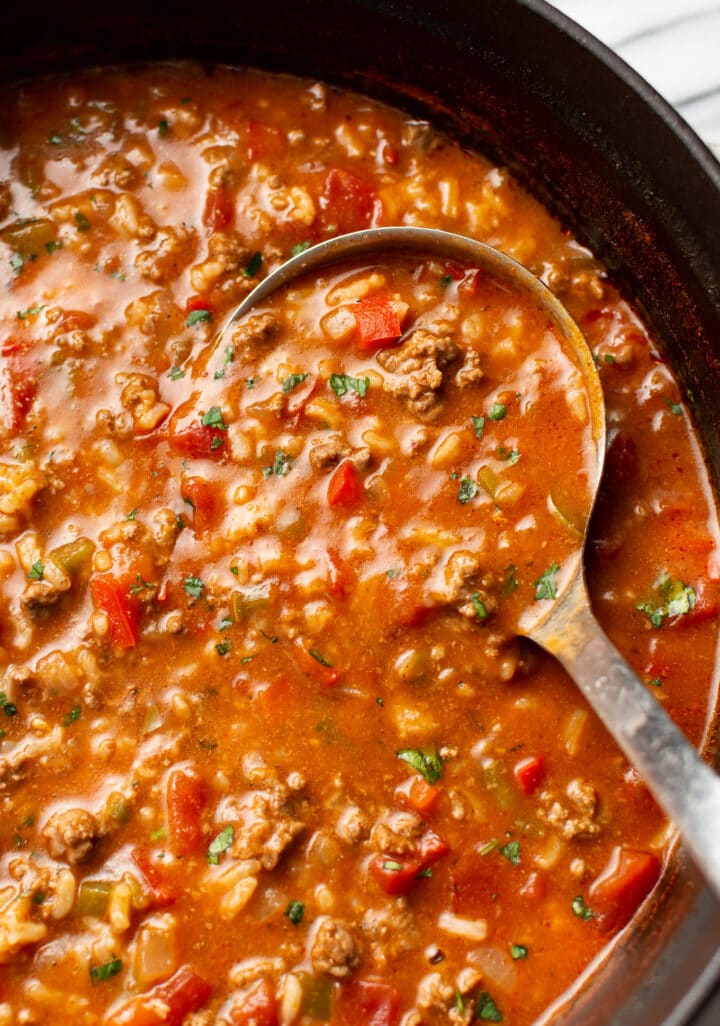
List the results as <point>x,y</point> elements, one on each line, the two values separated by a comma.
<point>223,647</point>
<point>342,383</point>
<point>295,911</point>
<point>72,716</point>
<point>319,657</point>
<point>37,571</point>
<point>246,659</point>
<point>467,491</point>
<point>292,381</point>
<point>253,265</point>
<point>132,514</point>
<point>228,355</point>
<point>216,442</point>
<point>486,1010</point>
<point>197,317</point>
<point>509,455</point>
<point>163,127</point>
<point>445,281</point>
<point>300,248</point>
<point>546,584</point>
<point>32,311</point>
<point>478,424</point>
<point>580,909</point>
<point>677,599</point>
<point>281,464</point>
<point>83,225</point>
<point>141,585</point>
<point>225,623</point>
<point>479,606</point>
<point>220,845</point>
<point>55,139</point>
<point>518,951</point>
<point>214,419</point>
<point>511,582</point>
<point>17,262</point>
<point>488,847</point>
<point>53,245</point>
<point>193,586</point>
<point>511,852</point>
<point>674,408</point>
<point>609,358</point>
<point>100,973</point>
<point>251,382</point>
<point>176,372</point>
<point>655,682</point>
<point>497,411</point>
<point>428,764</point>
<point>9,708</point>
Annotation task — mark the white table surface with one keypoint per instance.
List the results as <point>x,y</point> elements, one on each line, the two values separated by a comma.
<point>673,44</point>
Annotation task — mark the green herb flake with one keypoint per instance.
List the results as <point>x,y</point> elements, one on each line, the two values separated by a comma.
<point>253,265</point>
<point>479,606</point>
<point>292,381</point>
<point>223,647</point>
<point>478,424</point>
<point>300,248</point>
<point>214,419</point>
<point>497,411</point>
<point>235,570</point>
<point>9,708</point>
<point>546,584</point>
<point>216,442</point>
<point>467,491</point>
<point>36,571</point>
<point>281,464</point>
<point>132,514</point>
<point>459,1002</point>
<point>220,845</point>
<point>294,912</point>
<point>675,408</point>
<point>219,374</point>
<point>53,246</point>
<point>228,355</point>
<point>424,874</point>
<point>193,586</point>
<point>511,852</point>
<point>32,311</point>
<point>342,383</point>
<point>72,716</point>
<point>445,281</point>
<point>609,358</point>
<point>101,973</point>
<point>391,867</point>
<point>319,657</point>
<point>17,262</point>
<point>489,847</point>
<point>511,583</point>
<point>83,225</point>
<point>198,317</point>
<point>55,139</point>
<point>175,373</point>
<point>486,1010</point>
<point>246,659</point>
<point>163,127</point>
<point>427,763</point>
<point>251,382</point>
<point>518,951</point>
<point>679,598</point>
<point>508,455</point>
<point>225,623</point>
<point>38,897</point>
<point>655,682</point>
<point>581,909</point>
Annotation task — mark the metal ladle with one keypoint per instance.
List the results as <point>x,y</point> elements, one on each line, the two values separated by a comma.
<point>685,788</point>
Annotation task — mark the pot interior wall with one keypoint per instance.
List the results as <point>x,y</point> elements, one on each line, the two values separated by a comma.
<point>508,78</point>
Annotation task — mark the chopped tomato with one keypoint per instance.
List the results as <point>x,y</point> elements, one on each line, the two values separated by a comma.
<point>258,1007</point>
<point>418,795</point>
<point>396,874</point>
<point>529,773</point>
<point>186,799</point>
<point>198,303</point>
<point>347,203</point>
<point>704,608</point>
<point>112,597</point>
<point>301,396</point>
<point>377,320</point>
<point>534,888</point>
<point>166,1004</point>
<point>219,210</point>
<point>200,495</point>
<point>345,487</point>
<point>338,577</point>
<point>469,284</point>
<point>314,663</point>
<point>624,883</point>
<point>263,141</point>
<point>18,384</point>
<point>190,437</point>
<point>432,848</point>
<point>163,893</point>
<point>369,1002</point>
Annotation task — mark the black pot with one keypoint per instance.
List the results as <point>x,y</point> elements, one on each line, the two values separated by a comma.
<point>518,81</point>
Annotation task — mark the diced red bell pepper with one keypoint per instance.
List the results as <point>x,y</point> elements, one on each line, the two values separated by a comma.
<point>378,324</point>
<point>345,486</point>
<point>258,1007</point>
<point>198,303</point>
<point>186,799</point>
<point>219,210</point>
<point>163,894</point>
<point>396,874</point>
<point>370,1002</point>
<point>112,597</point>
<point>529,773</point>
<point>166,1004</point>
<point>624,883</point>
<point>432,848</point>
<point>347,203</point>
<point>418,795</point>
<point>201,496</point>
<point>314,666</point>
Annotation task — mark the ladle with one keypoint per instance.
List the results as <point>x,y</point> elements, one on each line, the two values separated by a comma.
<point>685,788</point>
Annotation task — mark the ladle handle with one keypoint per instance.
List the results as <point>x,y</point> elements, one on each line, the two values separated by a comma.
<point>683,786</point>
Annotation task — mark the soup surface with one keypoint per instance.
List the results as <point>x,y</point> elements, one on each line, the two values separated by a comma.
<point>271,751</point>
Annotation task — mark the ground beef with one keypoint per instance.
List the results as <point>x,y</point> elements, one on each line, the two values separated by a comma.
<point>391,930</point>
<point>462,580</point>
<point>471,371</point>
<point>327,454</point>
<point>333,949</point>
<point>418,366</point>
<point>352,825</point>
<point>254,332</point>
<point>118,171</point>
<point>71,835</point>
<point>39,594</point>
<point>575,818</point>
<point>265,829</point>
<point>397,833</point>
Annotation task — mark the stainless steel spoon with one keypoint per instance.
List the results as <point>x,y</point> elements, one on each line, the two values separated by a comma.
<point>685,788</point>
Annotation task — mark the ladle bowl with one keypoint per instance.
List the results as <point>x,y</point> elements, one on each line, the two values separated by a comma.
<point>685,788</point>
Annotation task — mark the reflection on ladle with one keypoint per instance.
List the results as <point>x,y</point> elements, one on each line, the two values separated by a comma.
<point>686,789</point>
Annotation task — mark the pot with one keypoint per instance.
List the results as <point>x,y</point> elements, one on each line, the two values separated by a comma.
<point>523,84</point>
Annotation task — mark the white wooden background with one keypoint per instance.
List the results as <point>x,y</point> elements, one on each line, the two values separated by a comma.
<point>673,44</point>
